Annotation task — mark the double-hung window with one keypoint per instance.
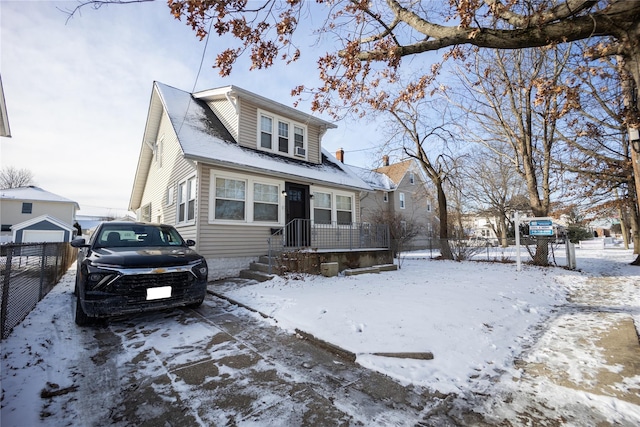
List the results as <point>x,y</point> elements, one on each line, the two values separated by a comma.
<point>251,200</point>
<point>230,197</point>
<point>281,135</point>
<point>187,200</point>
<point>145,214</point>
<point>266,132</point>
<point>322,208</point>
<point>298,141</point>
<point>344,209</point>
<point>265,202</point>
<point>402,203</point>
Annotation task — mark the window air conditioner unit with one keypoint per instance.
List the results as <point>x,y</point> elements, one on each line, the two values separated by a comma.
<point>300,151</point>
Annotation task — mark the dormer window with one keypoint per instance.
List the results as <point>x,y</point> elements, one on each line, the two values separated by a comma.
<point>266,132</point>
<point>283,137</point>
<point>298,141</point>
<point>277,134</point>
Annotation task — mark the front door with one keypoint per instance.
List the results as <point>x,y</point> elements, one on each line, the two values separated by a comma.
<point>297,207</point>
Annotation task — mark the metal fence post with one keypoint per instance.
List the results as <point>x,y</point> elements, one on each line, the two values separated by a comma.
<point>5,290</point>
<point>43,267</point>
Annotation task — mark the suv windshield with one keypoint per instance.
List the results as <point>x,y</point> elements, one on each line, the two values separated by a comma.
<point>136,235</point>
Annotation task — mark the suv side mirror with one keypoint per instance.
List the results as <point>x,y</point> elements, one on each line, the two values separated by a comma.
<point>190,242</point>
<point>79,243</point>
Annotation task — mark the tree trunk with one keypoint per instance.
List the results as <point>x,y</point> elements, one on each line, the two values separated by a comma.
<point>445,249</point>
<point>632,66</point>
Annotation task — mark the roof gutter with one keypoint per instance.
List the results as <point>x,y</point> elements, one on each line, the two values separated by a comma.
<point>292,177</point>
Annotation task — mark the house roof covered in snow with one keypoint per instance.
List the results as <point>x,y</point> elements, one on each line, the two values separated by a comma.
<point>33,193</point>
<point>376,180</point>
<point>203,138</point>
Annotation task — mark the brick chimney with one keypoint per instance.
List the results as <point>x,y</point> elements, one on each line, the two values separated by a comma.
<point>385,160</point>
<point>340,155</point>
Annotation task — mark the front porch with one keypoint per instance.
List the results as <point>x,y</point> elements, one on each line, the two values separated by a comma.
<point>304,245</point>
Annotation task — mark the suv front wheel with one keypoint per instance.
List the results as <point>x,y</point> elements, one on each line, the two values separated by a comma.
<point>80,317</point>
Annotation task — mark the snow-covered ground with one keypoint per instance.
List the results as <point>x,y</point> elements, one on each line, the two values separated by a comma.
<point>483,323</point>
<point>476,318</point>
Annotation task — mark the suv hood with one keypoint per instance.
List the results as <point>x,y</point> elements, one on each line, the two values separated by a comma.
<point>153,256</point>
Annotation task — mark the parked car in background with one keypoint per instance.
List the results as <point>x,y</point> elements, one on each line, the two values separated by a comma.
<point>130,267</point>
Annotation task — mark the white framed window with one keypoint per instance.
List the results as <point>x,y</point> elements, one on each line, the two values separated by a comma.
<point>299,139</point>
<point>169,200</point>
<point>266,132</point>
<point>385,197</point>
<point>322,208</point>
<point>157,151</point>
<point>236,198</point>
<point>265,202</point>
<point>402,203</point>
<point>187,200</point>
<point>145,213</point>
<point>344,209</point>
<point>230,199</point>
<point>412,178</point>
<point>283,137</point>
<point>333,207</point>
<point>276,135</point>
<point>428,206</point>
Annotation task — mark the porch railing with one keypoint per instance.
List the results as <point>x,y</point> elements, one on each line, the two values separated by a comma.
<point>307,234</point>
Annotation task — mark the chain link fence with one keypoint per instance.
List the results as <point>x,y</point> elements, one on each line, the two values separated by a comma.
<point>539,250</point>
<point>28,272</point>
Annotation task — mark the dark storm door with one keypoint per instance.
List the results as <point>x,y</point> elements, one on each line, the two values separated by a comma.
<point>297,208</point>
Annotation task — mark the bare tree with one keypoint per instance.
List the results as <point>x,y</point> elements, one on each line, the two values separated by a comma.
<point>367,33</point>
<point>11,177</point>
<point>493,186</point>
<point>599,156</point>
<point>516,99</point>
<point>420,139</point>
<point>401,229</point>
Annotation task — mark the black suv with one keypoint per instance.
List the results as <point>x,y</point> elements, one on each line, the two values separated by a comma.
<point>130,267</point>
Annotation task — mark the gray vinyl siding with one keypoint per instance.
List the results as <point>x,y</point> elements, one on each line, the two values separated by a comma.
<point>371,203</point>
<point>313,141</point>
<point>227,240</point>
<point>226,112</point>
<point>11,211</point>
<point>174,169</point>
<point>248,131</point>
<point>248,125</point>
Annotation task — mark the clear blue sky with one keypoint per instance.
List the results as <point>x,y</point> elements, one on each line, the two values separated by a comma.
<point>77,92</point>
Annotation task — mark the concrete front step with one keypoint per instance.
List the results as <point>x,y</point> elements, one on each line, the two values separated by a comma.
<point>260,266</point>
<point>255,275</point>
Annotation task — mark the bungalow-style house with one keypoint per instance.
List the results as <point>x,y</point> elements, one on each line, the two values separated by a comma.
<point>31,214</point>
<point>239,174</point>
<point>401,190</point>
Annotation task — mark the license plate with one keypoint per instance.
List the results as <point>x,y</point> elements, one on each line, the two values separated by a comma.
<point>158,293</point>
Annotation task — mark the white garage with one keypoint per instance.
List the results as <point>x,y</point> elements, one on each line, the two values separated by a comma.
<point>44,228</point>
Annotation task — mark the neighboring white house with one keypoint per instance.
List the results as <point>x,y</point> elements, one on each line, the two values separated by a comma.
<point>229,167</point>
<point>22,204</point>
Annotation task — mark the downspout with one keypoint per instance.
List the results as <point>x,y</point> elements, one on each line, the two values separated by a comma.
<point>232,100</point>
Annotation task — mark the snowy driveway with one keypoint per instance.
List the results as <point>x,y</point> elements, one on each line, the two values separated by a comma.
<point>214,366</point>
<point>537,348</point>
